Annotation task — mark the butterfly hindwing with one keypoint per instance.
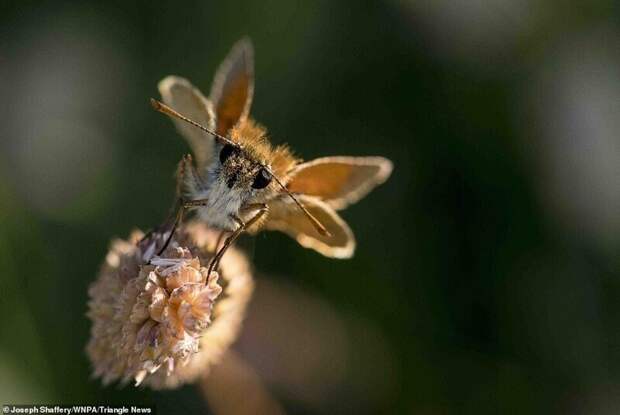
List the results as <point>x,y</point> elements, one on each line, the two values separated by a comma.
<point>183,97</point>
<point>286,217</point>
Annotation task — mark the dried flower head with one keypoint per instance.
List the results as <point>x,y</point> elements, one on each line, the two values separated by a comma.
<point>164,323</point>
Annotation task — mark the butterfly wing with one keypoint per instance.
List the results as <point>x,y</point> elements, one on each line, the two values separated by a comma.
<point>233,86</point>
<point>183,97</point>
<point>286,217</point>
<point>339,181</point>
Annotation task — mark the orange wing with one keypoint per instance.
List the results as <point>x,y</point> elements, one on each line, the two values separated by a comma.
<point>339,181</point>
<point>285,216</point>
<point>233,86</point>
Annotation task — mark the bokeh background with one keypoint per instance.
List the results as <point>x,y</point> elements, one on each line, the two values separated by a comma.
<point>487,274</point>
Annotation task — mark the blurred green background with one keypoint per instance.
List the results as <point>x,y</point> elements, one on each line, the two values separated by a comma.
<point>486,278</point>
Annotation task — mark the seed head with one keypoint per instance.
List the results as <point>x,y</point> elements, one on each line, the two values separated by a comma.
<point>164,323</point>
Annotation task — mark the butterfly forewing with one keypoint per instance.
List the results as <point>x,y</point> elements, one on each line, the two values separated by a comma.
<point>233,86</point>
<point>339,181</point>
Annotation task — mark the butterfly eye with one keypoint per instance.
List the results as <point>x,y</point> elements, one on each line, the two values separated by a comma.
<point>226,152</point>
<point>262,179</point>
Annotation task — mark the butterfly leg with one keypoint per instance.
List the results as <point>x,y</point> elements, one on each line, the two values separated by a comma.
<point>261,210</point>
<point>161,235</point>
<point>183,205</point>
<point>219,240</point>
<point>186,180</point>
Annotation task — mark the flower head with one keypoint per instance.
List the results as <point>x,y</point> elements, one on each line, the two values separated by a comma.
<point>163,323</point>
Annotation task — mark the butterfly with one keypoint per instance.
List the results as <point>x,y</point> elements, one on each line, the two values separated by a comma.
<point>237,181</point>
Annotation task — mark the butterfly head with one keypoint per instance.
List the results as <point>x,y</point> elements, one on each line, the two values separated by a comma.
<point>238,170</point>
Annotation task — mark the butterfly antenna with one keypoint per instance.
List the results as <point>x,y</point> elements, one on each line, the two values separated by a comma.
<point>315,222</point>
<point>164,109</point>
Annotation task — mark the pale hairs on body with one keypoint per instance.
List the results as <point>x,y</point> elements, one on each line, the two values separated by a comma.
<point>237,181</point>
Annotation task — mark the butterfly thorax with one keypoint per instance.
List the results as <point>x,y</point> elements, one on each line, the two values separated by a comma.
<point>253,138</point>
<point>222,204</point>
